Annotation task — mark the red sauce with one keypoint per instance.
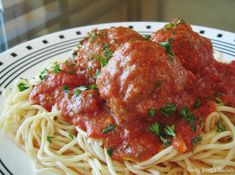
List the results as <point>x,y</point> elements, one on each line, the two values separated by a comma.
<point>141,96</point>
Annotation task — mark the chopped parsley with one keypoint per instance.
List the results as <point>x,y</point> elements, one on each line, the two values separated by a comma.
<point>89,68</point>
<point>196,139</point>
<point>108,129</point>
<point>169,130</point>
<point>74,54</point>
<point>103,60</point>
<point>56,68</point>
<point>94,87</point>
<point>152,112</point>
<point>163,132</point>
<point>155,128</point>
<point>220,126</point>
<point>110,151</point>
<point>21,86</point>
<point>189,117</point>
<point>169,25</point>
<point>167,46</point>
<point>166,141</point>
<point>72,65</point>
<point>83,88</point>
<point>49,139</point>
<point>173,24</point>
<point>65,88</point>
<point>105,45</point>
<point>197,104</point>
<point>79,90</point>
<point>71,136</point>
<point>43,74</point>
<point>168,109</point>
<point>70,72</point>
<point>93,35</point>
<point>108,53</point>
<point>146,37</point>
<point>97,72</point>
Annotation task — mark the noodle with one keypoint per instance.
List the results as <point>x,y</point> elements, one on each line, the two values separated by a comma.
<point>56,146</point>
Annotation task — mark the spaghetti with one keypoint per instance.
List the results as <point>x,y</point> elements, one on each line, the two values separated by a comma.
<point>56,146</point>
<point>129,105</point>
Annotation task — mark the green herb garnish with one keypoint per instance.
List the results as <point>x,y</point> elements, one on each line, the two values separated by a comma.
<point>169,25</point>
<point>21,86</point>
<point>56,68</point>
<point>168,47</point>
<point>97,72</point>
<point>165,141</point>
<point>169,130</point>
<point>49,139</point>
<point>83,88</point>
<point>89,68</point>
<point>196,139</point>
<point>103,60</point>
<point>71,136</point>
<point>93,35</point>
<point>65,88</point>
<point>146,37</point>
<point>110,151</point>
<point>197,104</point>
<point>168,109</point>
<point>173,24</point>
<point>220,126</point>
<point>108,129</point>
<point>94,87</point>
<point>189,117</point>
<point>108,53</point>
<point>79,90</point>
<point>152,112</point>
<point>155,128</point>
<point>72,65</point>
<point>43,74</point>
<point>70,72</point>
<point>105,45</point>
<point>163,132</point>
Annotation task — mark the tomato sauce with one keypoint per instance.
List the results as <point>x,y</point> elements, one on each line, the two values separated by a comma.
<point>140,96</point>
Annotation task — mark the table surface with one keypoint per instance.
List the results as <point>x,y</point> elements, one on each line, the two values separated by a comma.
<point>24,20</point>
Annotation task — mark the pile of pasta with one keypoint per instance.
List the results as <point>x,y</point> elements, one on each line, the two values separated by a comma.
<point>56,146</point>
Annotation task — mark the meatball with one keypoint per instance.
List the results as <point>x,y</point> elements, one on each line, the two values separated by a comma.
<point>194,51</point>
<point>140,76</point>
<point>98,47</point>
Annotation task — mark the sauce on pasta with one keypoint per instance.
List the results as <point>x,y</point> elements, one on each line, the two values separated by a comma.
<point>139,95</point>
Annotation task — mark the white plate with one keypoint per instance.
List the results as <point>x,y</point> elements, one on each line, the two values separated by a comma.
<point>26,60</point>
